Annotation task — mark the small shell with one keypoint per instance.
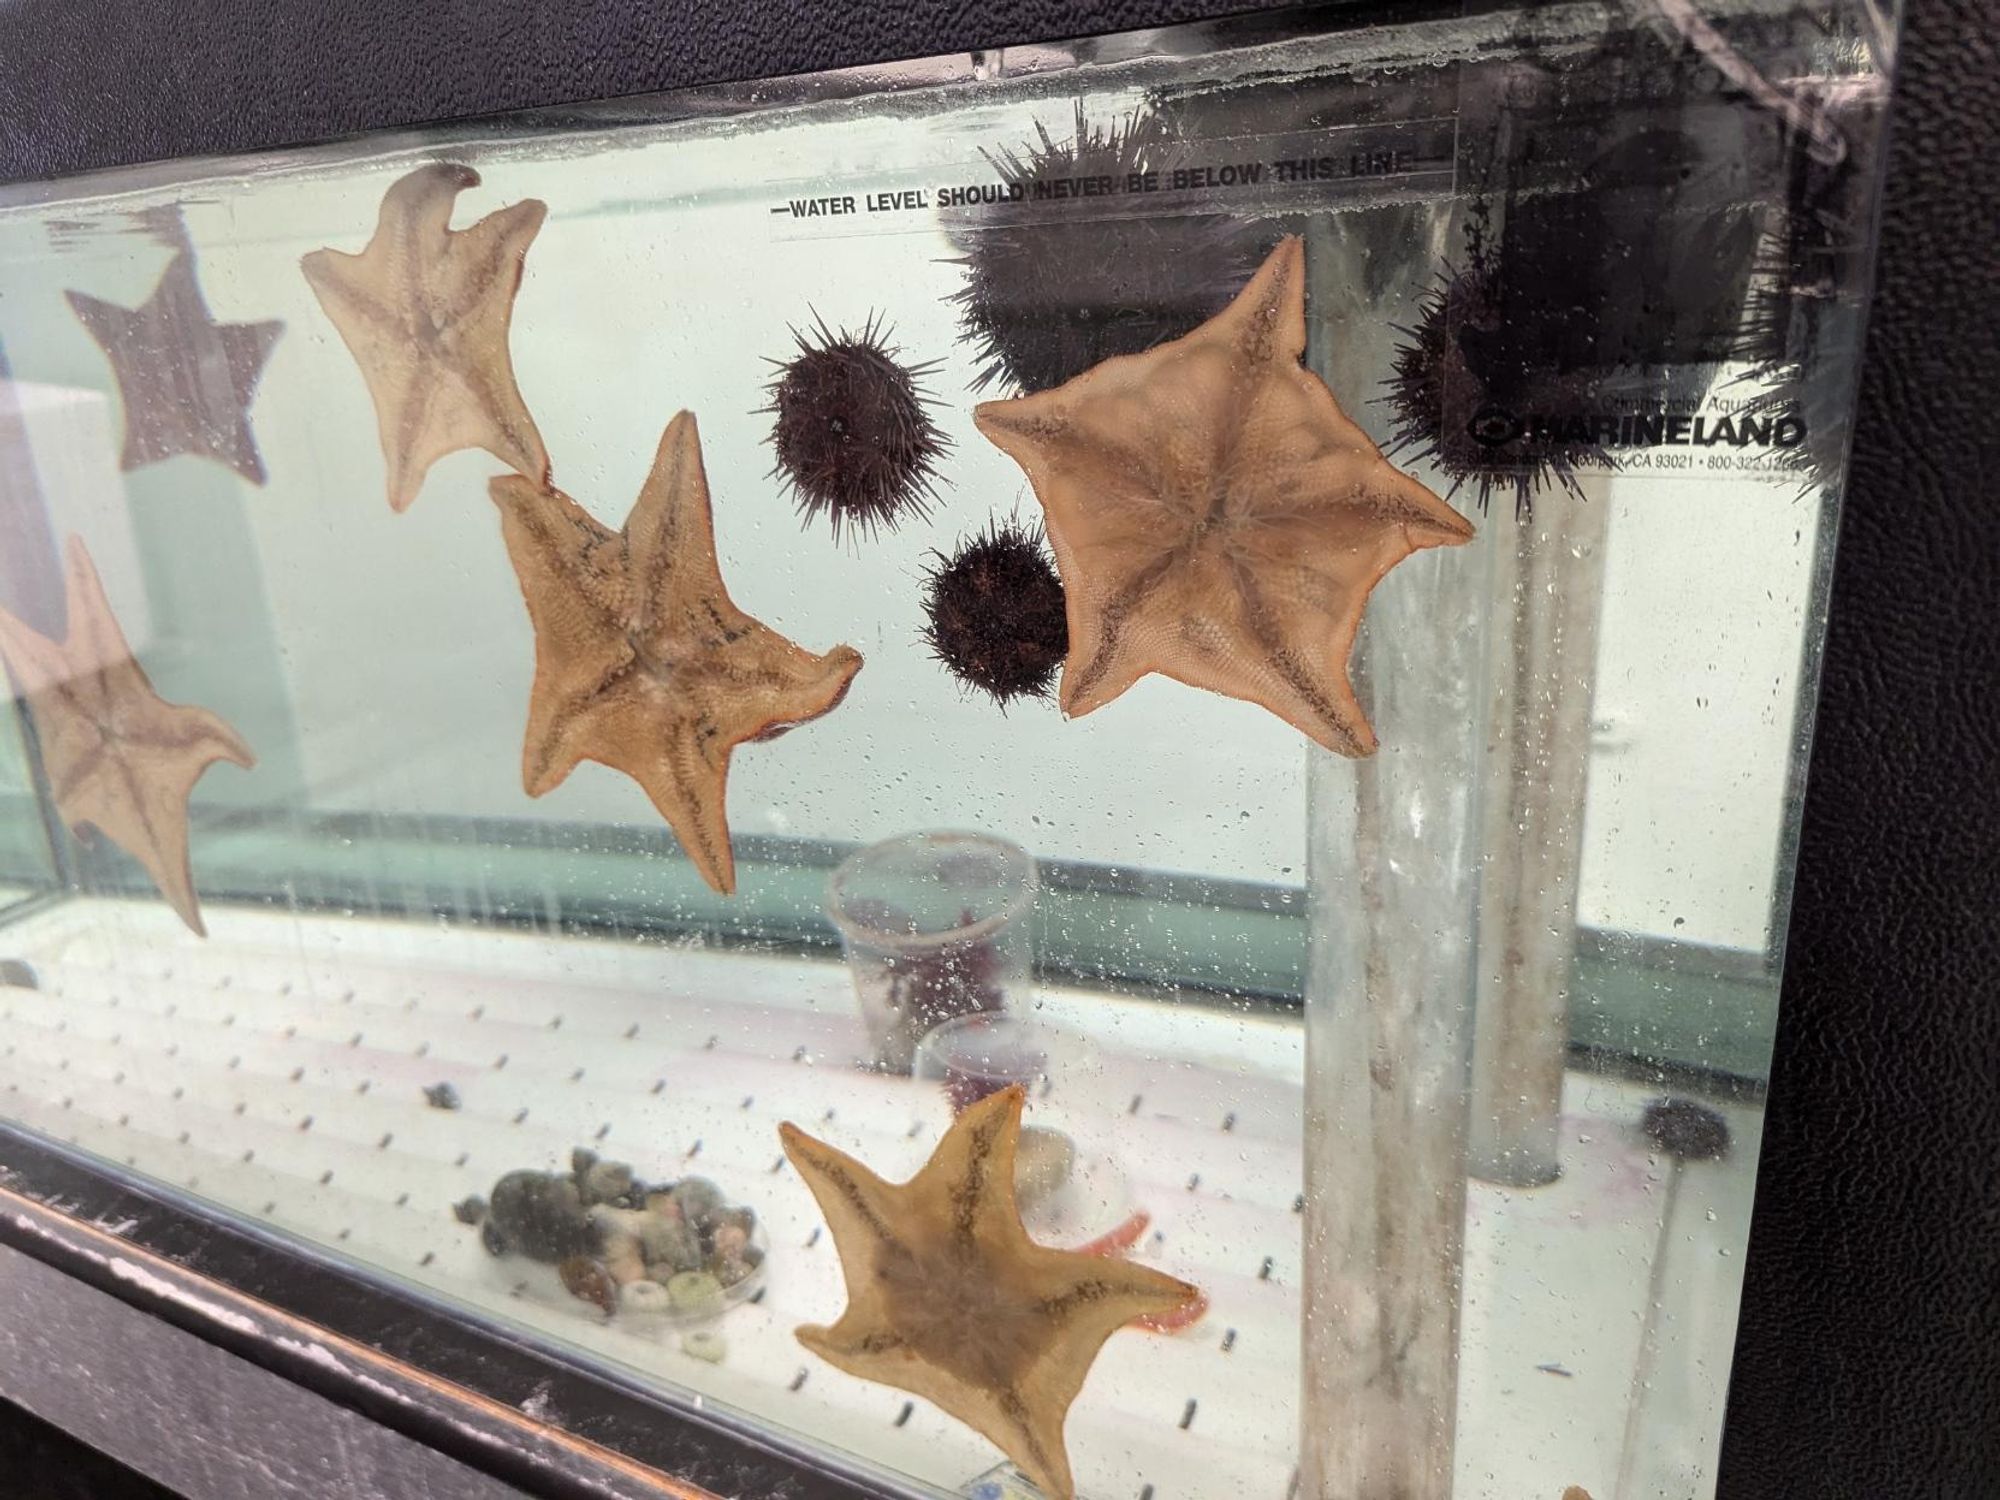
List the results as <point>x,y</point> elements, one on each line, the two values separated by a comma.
<point>696,1294</point>
<point>581,1160</point>
<point>588,1281</point>
<point>662,1205</point>
<point>731,1269</point>
<point>1043,1162</point>
<point>730,1242</point>
<point>706,1344</point>
<point>469,1210</point>
<point>441,1096</point>
<point>644,1299</point>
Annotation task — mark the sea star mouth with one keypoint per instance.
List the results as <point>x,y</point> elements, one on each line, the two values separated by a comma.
<point>660,670</point>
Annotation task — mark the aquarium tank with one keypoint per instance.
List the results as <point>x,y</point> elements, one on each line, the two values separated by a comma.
<point>1064,772</point>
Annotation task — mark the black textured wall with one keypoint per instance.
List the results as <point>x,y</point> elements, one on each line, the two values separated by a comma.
<point>88,83</point>
<point>1868,1365</point>
<point>1868,1362</point>
<point>41,1462</point>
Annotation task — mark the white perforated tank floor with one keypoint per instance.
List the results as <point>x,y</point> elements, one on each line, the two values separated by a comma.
<point>278,1071</point>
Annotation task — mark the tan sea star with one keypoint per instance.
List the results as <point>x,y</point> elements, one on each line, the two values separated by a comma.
<point>1216,517</point>
<point>425,311</point>
<point>642,661</point>
<point>120,758</point>
<point>949,1299</point>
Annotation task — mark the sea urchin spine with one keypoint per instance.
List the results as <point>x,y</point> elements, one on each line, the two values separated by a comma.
<point>854,435</point>
<point>995,613</point>
<point>1462,393</point>
<point>1048,298</point>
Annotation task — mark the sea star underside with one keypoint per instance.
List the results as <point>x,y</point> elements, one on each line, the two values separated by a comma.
<point>186,381</point>
<point>948,1297</point>
<point>425,310</point>
<point>642,661</point>
<point>1216,517</point>
<point>119,758</point>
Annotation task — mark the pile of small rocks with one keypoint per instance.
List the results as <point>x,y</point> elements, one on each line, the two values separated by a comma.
<point>669,1250</point>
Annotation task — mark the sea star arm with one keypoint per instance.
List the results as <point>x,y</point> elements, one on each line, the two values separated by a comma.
<point>228,374</point>
<point>112,327</point>
<point>752,679</point>
<point>401,379</point>
<point>572,575</point>
<point>679,755</point>
<point>38,663</point>
<point>138,798</point>
<point>104,321</point>
<point>415,218</point>
<point>488,261</point>
<point>245,348</point>
<point>119,758</point>
<point>1265,325</point>
<point>1092,1303</point>
<point>1112,522</point>
<point>671,536</point>
<point>860,1208</point>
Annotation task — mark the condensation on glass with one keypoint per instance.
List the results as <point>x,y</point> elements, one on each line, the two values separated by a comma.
<point>1438,1073</point>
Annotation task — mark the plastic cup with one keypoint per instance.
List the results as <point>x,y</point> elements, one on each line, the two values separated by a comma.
<point>1069,1188</point>
<point>977,1055</point>
<point>934,926</point>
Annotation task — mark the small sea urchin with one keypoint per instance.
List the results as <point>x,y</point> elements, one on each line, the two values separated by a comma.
<point>995,613</point>
<point>854,435</point>
<point>1046,298</point>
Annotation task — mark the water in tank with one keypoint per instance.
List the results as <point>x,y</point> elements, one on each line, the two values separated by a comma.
<point>1069,771</point>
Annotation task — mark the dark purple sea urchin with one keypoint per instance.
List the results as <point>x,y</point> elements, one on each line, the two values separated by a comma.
<point>1046,298</point>
<point>854,435</point>
<point>995,614</point>
<point>1467,402</point>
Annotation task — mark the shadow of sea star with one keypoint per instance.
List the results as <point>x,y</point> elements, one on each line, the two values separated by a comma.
<point>185,380</point>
